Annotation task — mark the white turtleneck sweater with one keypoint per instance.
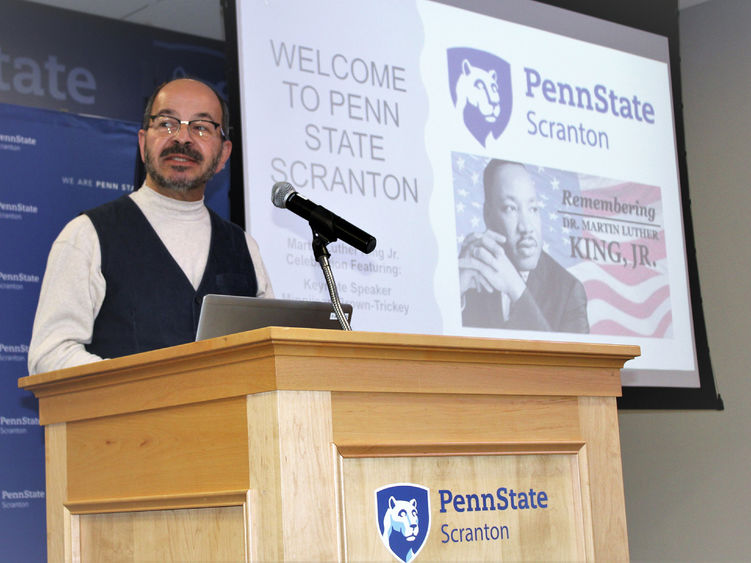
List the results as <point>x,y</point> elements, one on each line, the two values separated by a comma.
<point>73,288</point>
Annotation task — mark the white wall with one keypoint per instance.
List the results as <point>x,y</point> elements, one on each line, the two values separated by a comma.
<point>687,475</point>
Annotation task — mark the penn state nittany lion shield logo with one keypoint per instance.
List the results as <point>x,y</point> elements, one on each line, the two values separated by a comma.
<point>403,518</point>
<point>480,86</point>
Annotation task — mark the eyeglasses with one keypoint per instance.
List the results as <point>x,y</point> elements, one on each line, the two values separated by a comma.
<point>167,126</point>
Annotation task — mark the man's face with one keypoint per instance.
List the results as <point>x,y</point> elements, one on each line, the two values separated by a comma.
<point>180,165</point>
<point>513,210</point>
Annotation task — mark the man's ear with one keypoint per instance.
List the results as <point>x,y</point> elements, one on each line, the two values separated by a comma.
<point>142,143</point>
<point>226,151</point>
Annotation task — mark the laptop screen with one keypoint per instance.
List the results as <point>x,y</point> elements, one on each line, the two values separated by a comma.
<point>228,314</point>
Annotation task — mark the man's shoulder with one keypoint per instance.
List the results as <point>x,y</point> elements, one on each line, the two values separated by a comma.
<point>78,228</point>
<point>109,207</point>
<point>548,269</point>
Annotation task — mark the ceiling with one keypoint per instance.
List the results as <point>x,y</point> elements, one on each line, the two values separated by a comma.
<point>196,17</point>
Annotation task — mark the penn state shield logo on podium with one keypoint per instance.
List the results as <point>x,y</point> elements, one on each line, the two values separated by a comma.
<point>403,518</point>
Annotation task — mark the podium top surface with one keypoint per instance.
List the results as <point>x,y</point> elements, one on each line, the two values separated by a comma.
<point>278,358</point>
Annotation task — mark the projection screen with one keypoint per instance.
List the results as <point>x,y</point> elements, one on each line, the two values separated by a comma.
<point>533,138</point>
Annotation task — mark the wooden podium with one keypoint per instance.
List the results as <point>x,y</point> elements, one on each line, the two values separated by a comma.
<point>270,445</point>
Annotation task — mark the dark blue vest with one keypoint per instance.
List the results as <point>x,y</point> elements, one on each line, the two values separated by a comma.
<point>149,303</point>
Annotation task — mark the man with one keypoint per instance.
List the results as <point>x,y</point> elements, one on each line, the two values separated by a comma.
<point>129,276</point>
<point>506,279</point>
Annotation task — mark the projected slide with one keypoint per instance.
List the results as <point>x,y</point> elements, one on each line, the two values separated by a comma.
<point>521,182</point>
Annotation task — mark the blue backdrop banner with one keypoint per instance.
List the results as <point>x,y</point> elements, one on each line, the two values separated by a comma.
<point>54,166</point>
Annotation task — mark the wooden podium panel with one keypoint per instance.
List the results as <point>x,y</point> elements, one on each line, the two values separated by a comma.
<point>486,532</point>
<point>204,534</point>
<point>272,445</point>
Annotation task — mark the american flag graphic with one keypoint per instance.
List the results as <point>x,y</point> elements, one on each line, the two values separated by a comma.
<point>608,234</point>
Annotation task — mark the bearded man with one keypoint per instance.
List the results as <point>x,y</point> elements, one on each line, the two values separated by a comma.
<point>129,276</point>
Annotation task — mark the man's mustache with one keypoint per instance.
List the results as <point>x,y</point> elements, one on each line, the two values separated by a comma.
<point>183,149</point>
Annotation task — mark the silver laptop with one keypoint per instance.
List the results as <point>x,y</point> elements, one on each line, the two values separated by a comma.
<point>228,314</point>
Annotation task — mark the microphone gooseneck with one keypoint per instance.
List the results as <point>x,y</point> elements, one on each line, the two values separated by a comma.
<point>327,228</point>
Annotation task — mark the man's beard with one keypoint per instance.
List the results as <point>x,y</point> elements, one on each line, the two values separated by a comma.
<point>183,184</point>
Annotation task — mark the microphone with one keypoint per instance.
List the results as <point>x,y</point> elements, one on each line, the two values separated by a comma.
<point>321,220</point>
